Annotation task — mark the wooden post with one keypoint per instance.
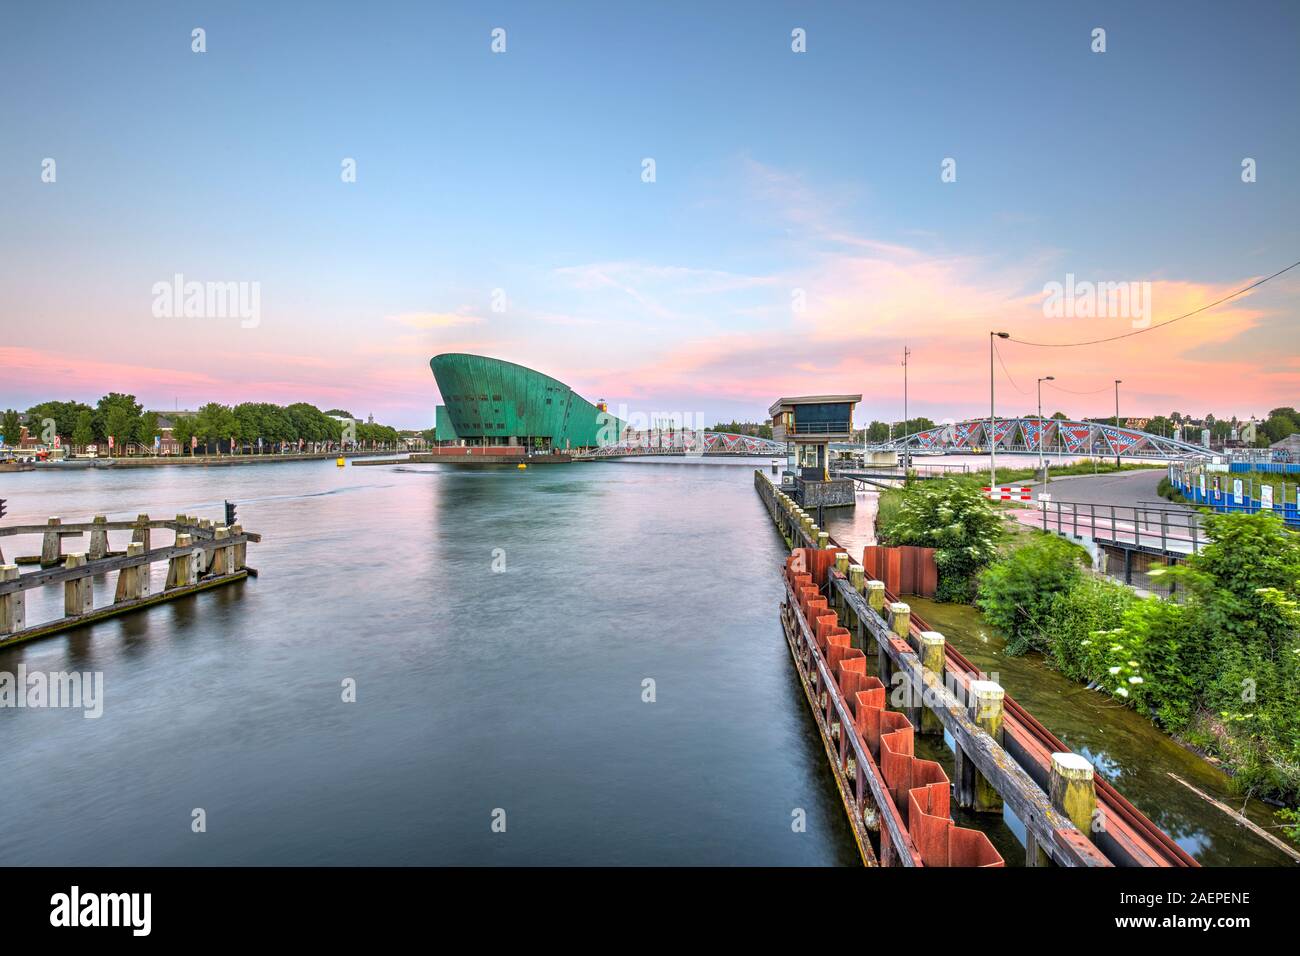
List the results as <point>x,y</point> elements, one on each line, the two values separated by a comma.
<point>52,545</point>
<point>240,550</point>
<point>181,570</point>
<point>133,582</point>
<point>900,619</point>
<point>141,531</point>
<point>98,540</point>
<point>78,596</point>
<point>857,577</point>
<point>985,702</point>
<point>205,557</point>
<point>13,613</point>
<point>823,540</point>
<point>876,596</point>
<point>932,648</point>
<point>223,559</point>
<point>1073,790</point>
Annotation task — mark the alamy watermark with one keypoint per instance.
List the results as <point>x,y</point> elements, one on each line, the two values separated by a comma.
<point>39,690</point>
<point>208,300</point>
<point>1073,299</point>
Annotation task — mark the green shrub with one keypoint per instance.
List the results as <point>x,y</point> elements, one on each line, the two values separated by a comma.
<point>1076,616</point>
<point>956,520</point>
<point>1016,593</point>
<point>1225,665</point>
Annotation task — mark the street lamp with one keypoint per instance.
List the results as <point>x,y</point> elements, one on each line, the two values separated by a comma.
<point>993,442</point>
<point>1118,383</point>
<point>1042,431</point>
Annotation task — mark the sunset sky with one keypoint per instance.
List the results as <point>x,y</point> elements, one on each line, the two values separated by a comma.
<point>775,172</point>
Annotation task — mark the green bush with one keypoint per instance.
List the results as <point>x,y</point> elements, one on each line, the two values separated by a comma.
<point>956,520</point>
<point>1016,593</point>
<point>1225,665</point>
<point>1075,617</point>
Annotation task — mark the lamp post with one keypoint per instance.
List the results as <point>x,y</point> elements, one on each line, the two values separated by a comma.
<point>1118,383</point>
<point>993,442</point>
<point>1042,431</point>
<point>906,456</point>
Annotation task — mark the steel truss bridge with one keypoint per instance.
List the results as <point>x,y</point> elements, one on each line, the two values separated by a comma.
<point>685,442</point>
<point>1028,434</point>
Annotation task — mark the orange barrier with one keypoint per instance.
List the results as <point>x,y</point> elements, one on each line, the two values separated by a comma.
<point>905,570</point>
<point>918,790</point>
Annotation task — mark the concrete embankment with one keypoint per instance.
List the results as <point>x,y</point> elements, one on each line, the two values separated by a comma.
<point>166,461</point>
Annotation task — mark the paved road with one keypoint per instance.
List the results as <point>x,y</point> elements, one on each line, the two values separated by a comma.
<point>1121,488</point>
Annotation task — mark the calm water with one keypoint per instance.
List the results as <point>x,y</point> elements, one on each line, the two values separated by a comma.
<point>1123,745</point>
<point>519,690</point>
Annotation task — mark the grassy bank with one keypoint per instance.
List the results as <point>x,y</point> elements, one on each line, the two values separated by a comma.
<point>1219,670</point>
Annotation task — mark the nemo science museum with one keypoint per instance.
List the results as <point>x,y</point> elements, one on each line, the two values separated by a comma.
<point>489,402</point>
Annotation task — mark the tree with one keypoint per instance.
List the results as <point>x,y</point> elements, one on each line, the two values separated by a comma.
<point>877,432</point>
<point>183,431</point>
<point>63,414</point>
<point>1016,593</point>
<point>214,423</point>
<point>83,433</point>
<point>148,428</point>
<point>340,412</point>
<point>10,428</point>
<point>117,414</point>
<point>1061,416</point>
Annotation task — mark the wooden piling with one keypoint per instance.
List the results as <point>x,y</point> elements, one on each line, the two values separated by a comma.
<point>985,702</point>
<point>52,545</point>
<point>876,596</point>
<point>13,614</point>
<point>1073,790</point>
<point>900,619</point>
<point>133,582</point>
<point>857,577</point>
<point>78,594</point>
<point>98,539</point>
<point>240,550</point>
<point>823,540</point>
<point>141,532</point>
<point>182,570</point>
<point>223,559</point>
<point>932,657</point>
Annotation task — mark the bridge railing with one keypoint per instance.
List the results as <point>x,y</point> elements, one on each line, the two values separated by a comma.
<point>1167,529</point>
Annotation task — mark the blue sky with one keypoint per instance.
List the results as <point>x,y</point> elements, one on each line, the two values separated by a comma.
<point>521,171</point>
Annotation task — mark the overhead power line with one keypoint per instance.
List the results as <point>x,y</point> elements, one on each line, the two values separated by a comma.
<point>1158,325</point>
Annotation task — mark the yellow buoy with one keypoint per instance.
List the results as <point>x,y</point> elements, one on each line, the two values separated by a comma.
<point>340,461</point>
<point>521,466</point>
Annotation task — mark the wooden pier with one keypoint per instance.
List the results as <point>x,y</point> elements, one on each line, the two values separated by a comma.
<point>859,652</point>
<point>202,555</point>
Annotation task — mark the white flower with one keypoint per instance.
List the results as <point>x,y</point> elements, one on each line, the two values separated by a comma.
<point>1121,691</point>
<point>1114,671</point>
<point>1135,680</point>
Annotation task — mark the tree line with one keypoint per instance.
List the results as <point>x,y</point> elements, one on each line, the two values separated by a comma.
<point>119,415</point>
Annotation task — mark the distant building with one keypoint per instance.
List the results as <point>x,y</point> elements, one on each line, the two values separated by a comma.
<point>1289,446</point>
<point>491,402</point>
